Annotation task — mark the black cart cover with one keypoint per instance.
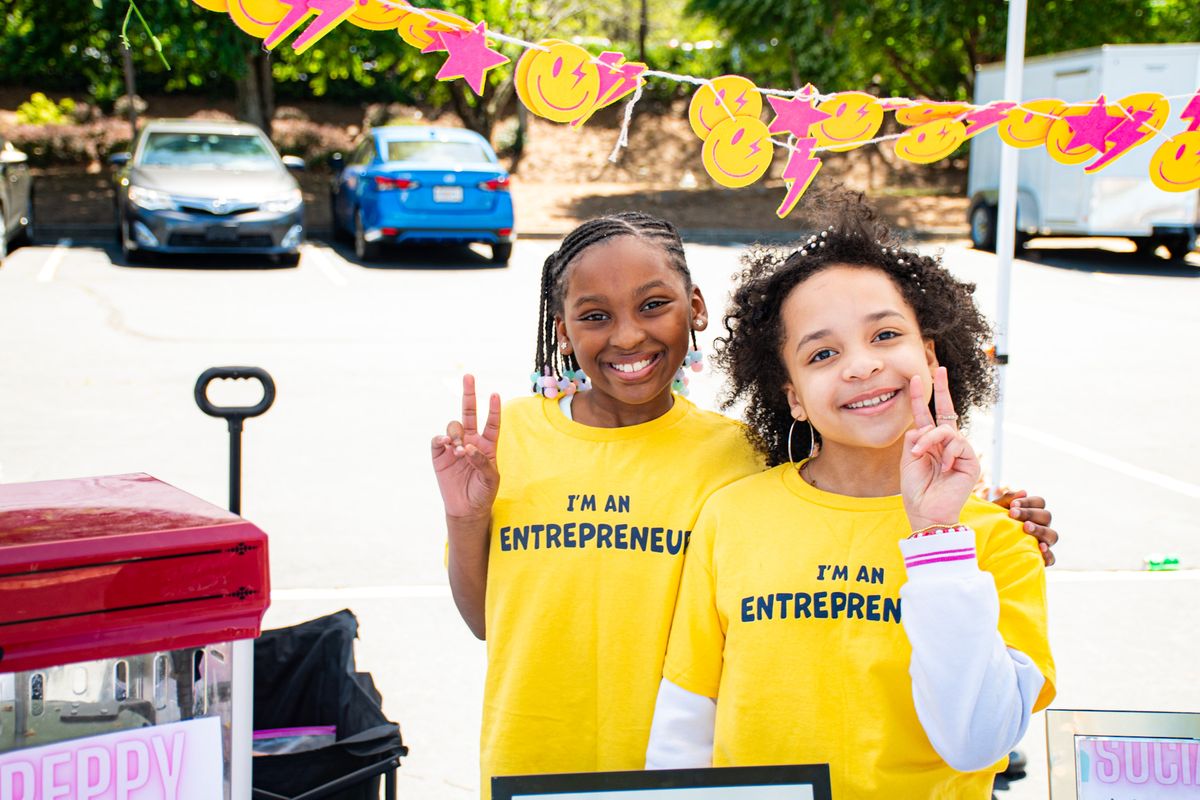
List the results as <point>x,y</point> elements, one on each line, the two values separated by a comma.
<point>304,676</point>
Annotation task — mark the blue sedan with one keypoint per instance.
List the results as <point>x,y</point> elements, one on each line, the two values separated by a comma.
<point>422,185</point>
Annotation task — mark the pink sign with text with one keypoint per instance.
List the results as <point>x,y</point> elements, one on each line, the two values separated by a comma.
<point>1135,768</point>
<point>181,761</point>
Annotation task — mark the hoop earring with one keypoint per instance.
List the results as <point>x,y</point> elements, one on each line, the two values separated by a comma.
<point>812,441</point>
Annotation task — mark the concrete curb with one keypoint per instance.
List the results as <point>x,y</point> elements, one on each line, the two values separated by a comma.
<point>104,234</point>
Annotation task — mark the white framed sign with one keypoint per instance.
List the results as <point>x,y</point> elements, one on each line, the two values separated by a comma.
<point>180,761</point>
<point>1123,755</point>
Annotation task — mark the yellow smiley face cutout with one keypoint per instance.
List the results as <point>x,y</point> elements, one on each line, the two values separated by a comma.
<point>213,5</point>
<point>932,141</point>
<point>375,16</point>
<point>257,17</point>
<point>1027,125</point>
<point>417,29</point>
<point>854,117</point>
<point>717,100</point>
<point>738,151</point>
<point>921,113</point>
<point>1175,166</point>
<point>559,83</point>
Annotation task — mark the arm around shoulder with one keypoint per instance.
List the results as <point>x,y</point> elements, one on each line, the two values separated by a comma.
<point>681,735</point>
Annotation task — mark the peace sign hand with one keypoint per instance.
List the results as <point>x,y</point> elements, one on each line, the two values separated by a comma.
<point>464,460</point>
<point>938,468</point>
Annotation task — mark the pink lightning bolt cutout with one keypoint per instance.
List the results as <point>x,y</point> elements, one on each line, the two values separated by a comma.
<point>795,116</point>
<point>990,115</point>
<point>801,168</point>
<point>1124,137</point>
<point>618,79</point>
<point>329,14</point>
<point>469,56</point>
<point>1192,112</point>
<point>1093,127</point>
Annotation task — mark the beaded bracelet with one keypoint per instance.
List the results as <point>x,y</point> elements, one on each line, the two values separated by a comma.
<point>934,530</point>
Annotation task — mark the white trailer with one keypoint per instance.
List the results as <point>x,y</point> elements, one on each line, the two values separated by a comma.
<point>1062,200</point>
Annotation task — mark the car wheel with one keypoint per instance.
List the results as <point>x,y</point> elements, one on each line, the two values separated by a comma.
<point>501,253</point>
<point>1177,246</point>
<point>129,255</point>
<point>340,234</point>
<point>983,227</point>
<point>363,250</point>
<point>1147,247</point>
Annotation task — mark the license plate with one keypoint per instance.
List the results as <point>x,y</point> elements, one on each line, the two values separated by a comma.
<point>447,194</point>
<point>222,233</point>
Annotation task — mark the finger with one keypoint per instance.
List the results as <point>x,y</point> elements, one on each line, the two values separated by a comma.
<point>469,421</point>
<point>481,462</point>
<point>1038,516</point>
<point>920,406</point>
<point>454,431</point>
<point>943,403</point>
<point>956,450</point>
<point>1033,502</point>
<point>1048,557</point>
<point>934,438</point>
<point>1007,498</point>
<point>491,430</point>
<point>1047,536</point>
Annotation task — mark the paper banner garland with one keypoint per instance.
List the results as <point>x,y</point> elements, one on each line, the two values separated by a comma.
<point>565,83</point>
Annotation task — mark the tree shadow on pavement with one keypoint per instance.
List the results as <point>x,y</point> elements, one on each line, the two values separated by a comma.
<point>199,262</point>
<point>1111,262</point>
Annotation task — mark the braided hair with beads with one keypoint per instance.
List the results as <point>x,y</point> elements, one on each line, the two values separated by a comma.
<point>599,230</point>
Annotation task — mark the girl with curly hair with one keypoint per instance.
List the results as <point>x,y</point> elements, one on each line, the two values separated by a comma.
<point>855,605</point>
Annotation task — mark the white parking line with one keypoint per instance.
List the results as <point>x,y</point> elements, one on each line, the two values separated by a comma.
<point>53,260</point>
<point>1103,460</point>
<point>324,263</point>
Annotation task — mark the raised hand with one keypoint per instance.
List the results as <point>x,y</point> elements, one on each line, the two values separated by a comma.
<point>938,468</point>
<point>464,459</point>
<point>1034,517</point>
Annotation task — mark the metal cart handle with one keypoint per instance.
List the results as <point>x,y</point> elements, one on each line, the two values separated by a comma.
<point>234,415</point>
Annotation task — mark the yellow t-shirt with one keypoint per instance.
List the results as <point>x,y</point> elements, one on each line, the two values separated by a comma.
<point>789,614</point>
<point>587,543</point>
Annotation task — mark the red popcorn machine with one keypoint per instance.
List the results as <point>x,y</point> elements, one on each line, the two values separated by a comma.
<point>128,610</point>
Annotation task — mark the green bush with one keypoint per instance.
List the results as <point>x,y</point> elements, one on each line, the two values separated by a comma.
<point>41,110</point>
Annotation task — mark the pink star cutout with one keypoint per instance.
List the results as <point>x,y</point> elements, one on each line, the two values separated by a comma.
<point>795,116</point>
<point>1093,127</point>
<point>469,56</point>
<point>980,119</point>
<point>1126,134</point>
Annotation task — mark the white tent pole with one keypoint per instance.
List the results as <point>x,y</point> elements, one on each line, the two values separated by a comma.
<point>1006,221</point>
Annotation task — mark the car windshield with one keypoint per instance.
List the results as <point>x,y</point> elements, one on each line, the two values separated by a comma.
<point>439,152</point>
<point>207,151</point>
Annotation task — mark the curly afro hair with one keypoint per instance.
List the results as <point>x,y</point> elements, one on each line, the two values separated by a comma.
<point>751,352</point>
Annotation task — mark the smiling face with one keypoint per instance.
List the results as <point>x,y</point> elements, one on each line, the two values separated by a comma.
<point>932,141</point>
<point>851,345</point>
<point>418,30</point>
<point>559,83</point>
<point>627,316</point>
<point>257,17</point>
<point>375,16</point>
<point>213,5</point>
<point>714,102</point>
<point>854,117</point>
<point>1175,166</point>
<point>738,152</point>
<point>1027,126</point>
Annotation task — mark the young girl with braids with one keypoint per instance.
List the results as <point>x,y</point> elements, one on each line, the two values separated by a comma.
<point>570,565</point>
<point>789,644</point>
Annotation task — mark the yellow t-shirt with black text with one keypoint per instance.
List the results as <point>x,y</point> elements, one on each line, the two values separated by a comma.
<point>587,545</point>
<point>789,614</point>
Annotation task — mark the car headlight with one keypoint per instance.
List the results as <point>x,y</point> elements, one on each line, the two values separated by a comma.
<point>150,199</point>
<point>284,204</point>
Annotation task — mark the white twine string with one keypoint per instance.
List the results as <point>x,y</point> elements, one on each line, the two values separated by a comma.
<point>623,139</point>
